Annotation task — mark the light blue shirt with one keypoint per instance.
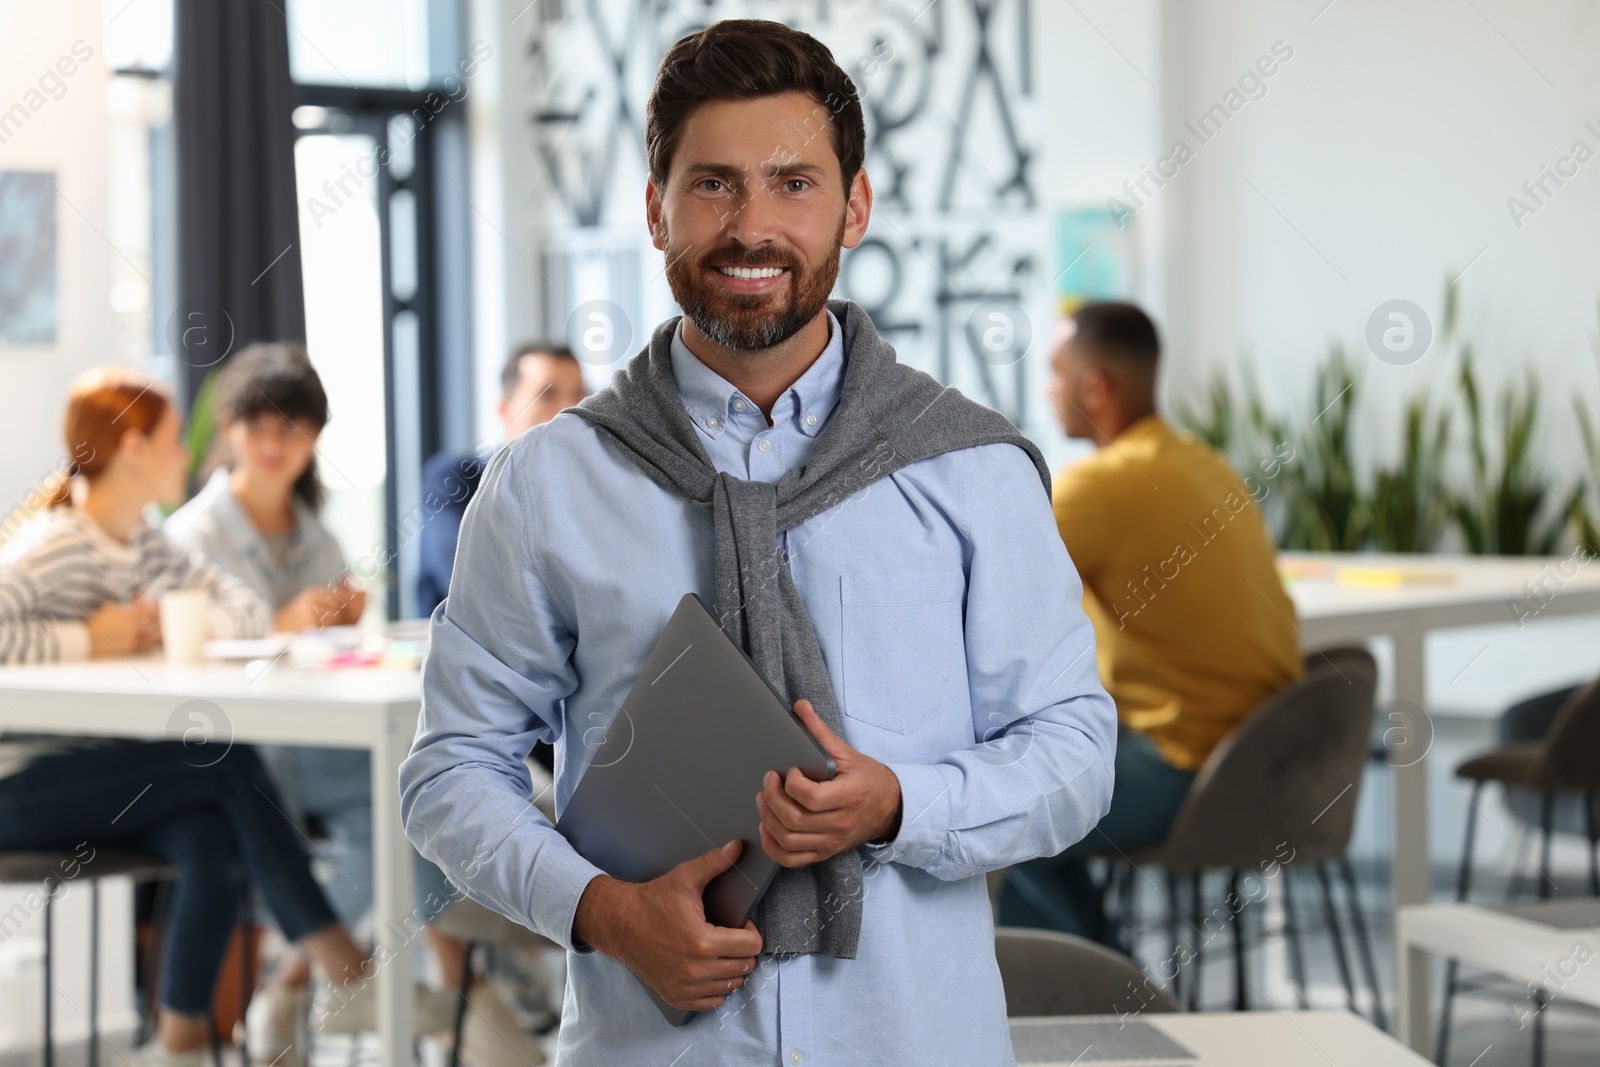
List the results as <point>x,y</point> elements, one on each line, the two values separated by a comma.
<point>215,525</point>
<point>949,618</point>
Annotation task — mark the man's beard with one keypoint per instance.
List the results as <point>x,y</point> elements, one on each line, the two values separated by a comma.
<point>746,321</point>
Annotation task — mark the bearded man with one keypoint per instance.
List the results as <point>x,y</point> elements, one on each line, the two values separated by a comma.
<point>882,547</point>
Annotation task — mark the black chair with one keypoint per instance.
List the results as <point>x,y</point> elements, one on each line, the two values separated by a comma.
<point>1564,762</point>
<point>50,870</point>
<point>1288,774</point>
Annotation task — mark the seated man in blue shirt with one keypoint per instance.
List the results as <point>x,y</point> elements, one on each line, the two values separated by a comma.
<point>882,547</point>
<point>539,380</point>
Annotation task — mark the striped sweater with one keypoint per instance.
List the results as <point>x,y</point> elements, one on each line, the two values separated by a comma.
<point>61,567</point>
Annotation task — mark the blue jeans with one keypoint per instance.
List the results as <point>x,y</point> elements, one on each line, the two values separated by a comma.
<point>334,787</point>
<point>1058,892</point>
<point>220,825</point>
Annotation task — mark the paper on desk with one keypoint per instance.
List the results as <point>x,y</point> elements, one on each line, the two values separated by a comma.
<point>1393,577</point>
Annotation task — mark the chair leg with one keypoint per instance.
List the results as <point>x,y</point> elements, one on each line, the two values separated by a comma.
<point>94,972</point>
<point>1241,1002</point>
<point>1337,935</point>
<point>1108,894</point>
<point>1518,872</point>
<point>1173,925</point>
<point>1358,929</point>
<point>1452,967</point>
<point>1199,941</point>
<point>1540,1003</point>
<point>1291,929</point>
<point>1464,875</point>
<point>1127,908</point>
<point>1547,807</point>
<point>461,1003</point>
<point>1590,800</point>
<point>1441,1044</point>
<point>49,986</point>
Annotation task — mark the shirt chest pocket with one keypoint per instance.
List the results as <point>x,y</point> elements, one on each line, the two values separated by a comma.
<point>904,647</point>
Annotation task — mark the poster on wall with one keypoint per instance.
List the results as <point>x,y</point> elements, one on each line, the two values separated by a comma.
<point>27,258</point>
<point>1095,257</point>
<point>954,267</point>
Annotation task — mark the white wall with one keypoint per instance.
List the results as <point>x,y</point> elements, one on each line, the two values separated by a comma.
<point>1092,115</point>
<point>1391,142</point>
<point>67,136</point>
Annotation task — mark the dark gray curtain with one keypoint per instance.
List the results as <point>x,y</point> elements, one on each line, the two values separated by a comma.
<point>237,216</point>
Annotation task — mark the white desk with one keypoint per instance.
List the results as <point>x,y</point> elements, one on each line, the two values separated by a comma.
<point>1546,943</point>
<point>1232,1039</point>
<point>1485,589</point>
<point>356,708</point>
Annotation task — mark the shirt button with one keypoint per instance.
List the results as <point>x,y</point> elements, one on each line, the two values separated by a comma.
<point>794,1057</point>
<point>811,420</point>
<point>711,422</point>
<point>766,446</point>
<point>739,404</point>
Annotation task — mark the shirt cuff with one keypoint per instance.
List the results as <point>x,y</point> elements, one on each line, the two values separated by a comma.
<point>72,641</point>
<point>560,876</point>
<point>924,816</point>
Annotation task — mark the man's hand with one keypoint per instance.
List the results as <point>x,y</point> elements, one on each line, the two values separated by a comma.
<point>806,822</point>
<point>658,930</point>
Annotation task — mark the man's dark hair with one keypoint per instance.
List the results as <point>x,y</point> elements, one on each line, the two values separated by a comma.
<point>511,373</point>
<point>739,59</point>
<point>1117,330</point>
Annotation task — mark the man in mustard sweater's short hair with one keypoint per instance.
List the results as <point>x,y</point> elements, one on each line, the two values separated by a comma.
<point>1192,627</point>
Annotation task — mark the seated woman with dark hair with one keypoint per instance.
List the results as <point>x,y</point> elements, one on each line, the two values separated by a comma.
<point>80,580</point>
<point>257,518</point>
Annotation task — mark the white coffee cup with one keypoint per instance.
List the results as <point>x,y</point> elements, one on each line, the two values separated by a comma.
<point>185,621</point>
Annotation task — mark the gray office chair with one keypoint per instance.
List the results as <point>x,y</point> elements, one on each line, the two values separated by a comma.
<point>1049,973</point>
<point>1564,761</point>
<point>48,870</point>
<point>1288,774</point>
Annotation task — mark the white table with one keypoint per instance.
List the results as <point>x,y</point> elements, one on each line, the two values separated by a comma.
<point>355,708</point>
<point>1484,589</point>
<point>1237,1039</point>
<point>1545,943</point>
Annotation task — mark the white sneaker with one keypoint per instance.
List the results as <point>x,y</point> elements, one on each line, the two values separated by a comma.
<point>155,1054</point>
<point>491,1035</point>
<point>274,1026</point>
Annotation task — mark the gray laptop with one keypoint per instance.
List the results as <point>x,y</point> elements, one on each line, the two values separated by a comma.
<point>680,765</point>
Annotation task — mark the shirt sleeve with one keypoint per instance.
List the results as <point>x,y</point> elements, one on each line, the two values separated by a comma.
<point>1038,775</point>
<point>25,637</point>
<point>497,669</point>
<point>237,610</point>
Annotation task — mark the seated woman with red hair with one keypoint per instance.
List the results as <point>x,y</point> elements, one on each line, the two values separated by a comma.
<point>79,580</point>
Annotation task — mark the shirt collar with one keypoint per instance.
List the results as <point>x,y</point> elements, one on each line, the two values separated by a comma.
<point>709,398</point>
<point>231,515</point>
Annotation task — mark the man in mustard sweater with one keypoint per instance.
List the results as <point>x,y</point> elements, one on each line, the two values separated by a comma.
<point>1192,627</point>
